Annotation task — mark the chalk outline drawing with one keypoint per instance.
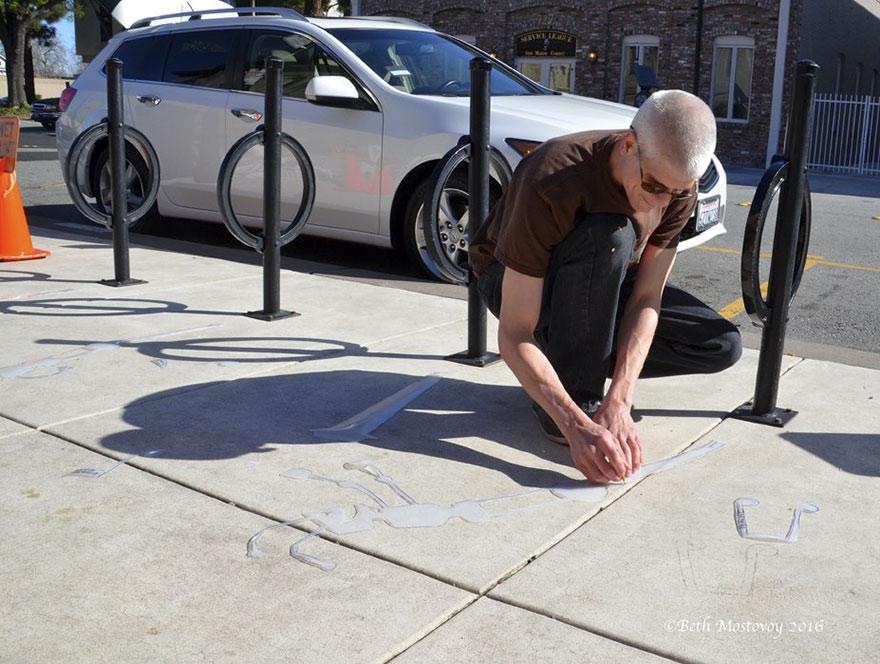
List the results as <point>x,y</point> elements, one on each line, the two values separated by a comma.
<point>360,426</point>
<point>742,526</point>
<point>695,575</point>
<point>98,472</point>
<point>413,514</point>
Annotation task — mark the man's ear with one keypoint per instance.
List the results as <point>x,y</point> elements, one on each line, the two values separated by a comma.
<point>628,144</point>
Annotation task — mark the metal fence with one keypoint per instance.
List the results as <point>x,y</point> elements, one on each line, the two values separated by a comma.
<point>846,134</point>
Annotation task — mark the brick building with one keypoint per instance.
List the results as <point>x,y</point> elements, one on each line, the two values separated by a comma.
<point>738,55</point>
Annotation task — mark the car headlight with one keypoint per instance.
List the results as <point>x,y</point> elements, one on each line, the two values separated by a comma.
<point>523,147</point>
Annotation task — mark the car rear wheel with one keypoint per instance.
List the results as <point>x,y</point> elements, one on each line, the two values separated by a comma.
<point>136,177</point>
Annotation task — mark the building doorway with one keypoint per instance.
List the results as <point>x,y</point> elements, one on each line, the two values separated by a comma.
<point>556,74</point>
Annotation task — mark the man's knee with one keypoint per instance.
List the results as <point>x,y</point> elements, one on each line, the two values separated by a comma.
<point>609,237</point>
<point>728,348</point>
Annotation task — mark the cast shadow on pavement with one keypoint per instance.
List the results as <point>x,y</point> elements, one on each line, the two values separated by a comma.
<point>856,453</point>
<point>225,420</point>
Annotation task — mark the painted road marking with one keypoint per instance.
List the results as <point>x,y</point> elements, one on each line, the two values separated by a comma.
<point>737,307</point>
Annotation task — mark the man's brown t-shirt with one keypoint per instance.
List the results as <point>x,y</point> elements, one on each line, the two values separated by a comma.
<point>552,188</point>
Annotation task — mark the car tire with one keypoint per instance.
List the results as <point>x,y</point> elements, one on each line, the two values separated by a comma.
<point>413,234</point>
<point>137,173</point>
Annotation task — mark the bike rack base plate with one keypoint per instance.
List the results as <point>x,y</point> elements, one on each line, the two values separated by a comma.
<point>778,417</point>
<point>270,316</point>
<point>118,283</point>
<point>483,360</point>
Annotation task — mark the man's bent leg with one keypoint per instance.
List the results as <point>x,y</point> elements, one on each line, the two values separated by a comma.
<point>691,337</point>
<point>579,306</point>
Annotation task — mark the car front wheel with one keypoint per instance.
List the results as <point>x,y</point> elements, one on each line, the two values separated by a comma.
<point>452,224</point>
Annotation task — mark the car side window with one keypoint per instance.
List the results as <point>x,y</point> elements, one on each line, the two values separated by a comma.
<point>143,59</point>
<point>200,58</point>
<point>303,60</point>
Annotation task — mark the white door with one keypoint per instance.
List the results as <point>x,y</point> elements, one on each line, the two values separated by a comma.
<point>344,144</point>
<point>555,74</point>
<point>184,114</point>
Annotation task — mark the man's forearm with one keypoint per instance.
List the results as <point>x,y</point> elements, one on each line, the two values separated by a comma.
<point>634,339</point>
<point>538,377</point>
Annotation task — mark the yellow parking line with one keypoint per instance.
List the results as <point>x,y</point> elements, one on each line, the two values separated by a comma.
<point>819,260</point>
<point>736,307</point>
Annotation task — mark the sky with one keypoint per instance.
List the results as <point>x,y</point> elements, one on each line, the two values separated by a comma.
<point>65,32</point>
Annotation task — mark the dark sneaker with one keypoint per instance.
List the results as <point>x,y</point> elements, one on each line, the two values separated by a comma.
<point>548,426</point>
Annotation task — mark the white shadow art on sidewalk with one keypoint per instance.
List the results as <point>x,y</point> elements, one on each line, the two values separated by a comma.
<point>413,514</point>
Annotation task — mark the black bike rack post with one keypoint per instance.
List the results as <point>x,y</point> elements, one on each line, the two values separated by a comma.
<point>272,138</point>
<point>272,198</point>
<point>118,184</point>
<point>478,207</point>
<point>790,244</point>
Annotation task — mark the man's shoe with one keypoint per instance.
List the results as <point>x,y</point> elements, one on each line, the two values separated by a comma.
<point>548,426</point>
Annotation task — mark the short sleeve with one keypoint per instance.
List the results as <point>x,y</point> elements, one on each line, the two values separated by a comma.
<point>675,218</point>
<point>537,220</point>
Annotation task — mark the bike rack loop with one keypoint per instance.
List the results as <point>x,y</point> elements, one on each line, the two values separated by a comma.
<point>786,175</point>
<point>77,169</point>
<point>272,138</point>
<point>481,155</point>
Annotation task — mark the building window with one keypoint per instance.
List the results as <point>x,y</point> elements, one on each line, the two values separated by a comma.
<point>859,69</point>
<point>841,70</point>
<point>732,78</point>
<point>875,83</point>
<point>637,50</point>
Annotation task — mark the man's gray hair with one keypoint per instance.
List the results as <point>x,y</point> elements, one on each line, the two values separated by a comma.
<point>677,128</point>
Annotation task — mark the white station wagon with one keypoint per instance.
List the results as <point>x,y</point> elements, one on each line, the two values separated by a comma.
<point>389,98</point>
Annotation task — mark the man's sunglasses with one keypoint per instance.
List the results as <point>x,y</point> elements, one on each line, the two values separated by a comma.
<point>655,187</point>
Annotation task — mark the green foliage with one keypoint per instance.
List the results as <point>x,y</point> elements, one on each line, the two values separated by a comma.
<point>21,111</point>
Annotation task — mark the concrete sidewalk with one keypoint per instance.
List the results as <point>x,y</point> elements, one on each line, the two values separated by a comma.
<point>445,531</point>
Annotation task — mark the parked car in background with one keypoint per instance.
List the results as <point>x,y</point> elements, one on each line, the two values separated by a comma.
<point>375,102</point>
<point>46,112</point>
<point>4,102</point>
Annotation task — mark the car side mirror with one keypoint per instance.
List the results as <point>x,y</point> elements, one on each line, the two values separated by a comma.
<point>333,91</point>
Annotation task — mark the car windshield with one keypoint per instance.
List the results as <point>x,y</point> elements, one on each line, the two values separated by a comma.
<point>423,63</point>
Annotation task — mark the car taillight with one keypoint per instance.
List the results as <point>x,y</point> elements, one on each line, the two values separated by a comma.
<point>66,97</point>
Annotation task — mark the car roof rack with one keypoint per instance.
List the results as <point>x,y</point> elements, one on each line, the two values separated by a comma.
<point>387,19</point>
<point>282,12</point>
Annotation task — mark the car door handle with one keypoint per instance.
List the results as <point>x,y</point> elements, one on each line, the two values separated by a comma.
<point>255,116</point>
<point>149,99</point>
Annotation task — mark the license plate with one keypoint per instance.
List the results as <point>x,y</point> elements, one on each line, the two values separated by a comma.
<point>708,211</point>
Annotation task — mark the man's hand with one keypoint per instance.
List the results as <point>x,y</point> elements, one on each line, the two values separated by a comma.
<point>597,453</point>
<point>616,417</point>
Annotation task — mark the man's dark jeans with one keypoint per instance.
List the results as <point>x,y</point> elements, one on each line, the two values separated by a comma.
<point>586,288</point>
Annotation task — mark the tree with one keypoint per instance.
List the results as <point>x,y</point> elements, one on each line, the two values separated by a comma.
<point>50,57</point>
<point>17,17</point>
<point>307,7</point>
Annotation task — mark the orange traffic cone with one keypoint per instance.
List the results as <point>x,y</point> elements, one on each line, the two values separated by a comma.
<point>15,237</point>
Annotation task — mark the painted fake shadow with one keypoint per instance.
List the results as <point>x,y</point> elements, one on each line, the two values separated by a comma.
<point>856,453</point>
<point>231,419</point>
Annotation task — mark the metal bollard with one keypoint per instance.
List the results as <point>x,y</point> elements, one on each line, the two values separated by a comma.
<point>119,187</point>
<point>272,197</point>
<point>786,249</point>
<point>273,139</point>
<point>478,206</point>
